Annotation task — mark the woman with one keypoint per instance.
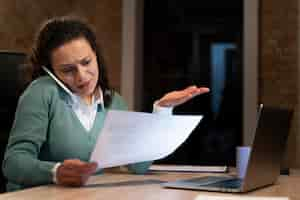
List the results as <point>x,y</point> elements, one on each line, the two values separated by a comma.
<point>55,128</point>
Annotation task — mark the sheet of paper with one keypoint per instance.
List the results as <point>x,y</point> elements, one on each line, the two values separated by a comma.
<point>238,197</point>
<point>131,137</point>
<point>188,168</point>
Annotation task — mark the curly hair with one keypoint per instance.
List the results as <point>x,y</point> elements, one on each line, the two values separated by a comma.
<point>55,33</point>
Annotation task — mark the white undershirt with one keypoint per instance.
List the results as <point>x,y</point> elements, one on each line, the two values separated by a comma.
<point>87,113</point>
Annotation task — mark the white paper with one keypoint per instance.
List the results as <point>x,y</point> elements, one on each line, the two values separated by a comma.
<point>238,197</point>
<point>131,137</point>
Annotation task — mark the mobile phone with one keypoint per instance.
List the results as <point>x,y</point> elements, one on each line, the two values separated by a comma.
<point>57,80</point>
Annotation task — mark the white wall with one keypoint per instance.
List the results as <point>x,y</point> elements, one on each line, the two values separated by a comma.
<point>132,53</point>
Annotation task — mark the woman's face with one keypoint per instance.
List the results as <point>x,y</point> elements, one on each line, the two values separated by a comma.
<point>75,63</point>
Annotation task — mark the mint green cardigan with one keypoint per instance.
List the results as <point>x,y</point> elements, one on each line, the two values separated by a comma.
<point>46,131</point>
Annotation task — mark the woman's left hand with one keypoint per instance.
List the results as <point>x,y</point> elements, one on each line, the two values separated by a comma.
<point>176,98</point>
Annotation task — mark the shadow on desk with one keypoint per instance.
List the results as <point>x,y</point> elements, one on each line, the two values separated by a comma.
<point>125,183</point>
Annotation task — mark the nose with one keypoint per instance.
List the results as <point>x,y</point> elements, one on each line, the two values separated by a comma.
<point>81,75</point>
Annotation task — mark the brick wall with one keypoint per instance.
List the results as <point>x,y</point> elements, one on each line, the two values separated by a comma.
<point>20,19</point>
<point>278,69</point>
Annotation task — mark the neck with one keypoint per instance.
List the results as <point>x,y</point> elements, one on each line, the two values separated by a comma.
<point>88,99</point>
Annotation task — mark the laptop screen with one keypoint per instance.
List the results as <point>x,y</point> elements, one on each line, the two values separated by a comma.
<point>268,146</point>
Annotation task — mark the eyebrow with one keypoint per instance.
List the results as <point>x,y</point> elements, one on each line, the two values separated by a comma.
<point>67,65</point>
<point>70,65</point>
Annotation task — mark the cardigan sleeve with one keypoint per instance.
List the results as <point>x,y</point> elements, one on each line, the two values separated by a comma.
<point>21,164</point>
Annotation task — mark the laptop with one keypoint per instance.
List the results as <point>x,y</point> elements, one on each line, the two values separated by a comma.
<point>263,168</point>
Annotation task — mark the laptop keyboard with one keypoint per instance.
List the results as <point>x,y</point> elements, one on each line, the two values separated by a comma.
<point>215,181</point>
<point>206,180</point>
<point>231,183</point>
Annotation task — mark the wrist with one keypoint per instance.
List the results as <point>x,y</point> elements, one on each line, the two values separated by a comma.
<point>54,173</point>
<point>162,103</point>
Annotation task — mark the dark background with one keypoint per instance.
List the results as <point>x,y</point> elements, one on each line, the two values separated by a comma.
<point>178,37</point>
<point>11,84</point>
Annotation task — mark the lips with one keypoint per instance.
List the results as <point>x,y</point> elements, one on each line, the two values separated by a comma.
<point>84,85</point>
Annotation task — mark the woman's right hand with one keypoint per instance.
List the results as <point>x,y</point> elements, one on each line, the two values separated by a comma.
<point>74,172</point>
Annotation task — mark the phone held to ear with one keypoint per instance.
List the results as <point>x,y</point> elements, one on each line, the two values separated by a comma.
<point>57,80</point>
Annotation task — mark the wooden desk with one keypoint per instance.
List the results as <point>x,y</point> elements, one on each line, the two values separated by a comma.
<point>144,187</point>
